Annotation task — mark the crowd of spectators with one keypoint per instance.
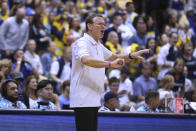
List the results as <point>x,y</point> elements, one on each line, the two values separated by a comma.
<point>36,38</point>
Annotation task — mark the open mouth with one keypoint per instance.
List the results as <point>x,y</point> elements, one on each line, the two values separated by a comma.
<point>102,31</point>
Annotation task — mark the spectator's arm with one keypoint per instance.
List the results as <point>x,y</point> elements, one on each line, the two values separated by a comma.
<point>3,33</point>
<point>18,66</point>
<point>138,91</point>
<point>55,78</point>
<point>40,70</point>
<point>44,62</point>
<point>140,98</point>
<point>54,71</point>
<point>55,100</point>
<point>26,37</point>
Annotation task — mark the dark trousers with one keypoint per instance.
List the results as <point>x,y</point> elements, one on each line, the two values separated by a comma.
<point>86,118</point>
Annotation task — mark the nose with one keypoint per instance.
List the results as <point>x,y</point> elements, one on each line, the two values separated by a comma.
<point>16,90</point>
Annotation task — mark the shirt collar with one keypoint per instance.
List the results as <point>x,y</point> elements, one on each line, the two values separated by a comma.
<point>28,53</point>
<point>144,78</point>
<point>90,38</point>
<point>16,21</point>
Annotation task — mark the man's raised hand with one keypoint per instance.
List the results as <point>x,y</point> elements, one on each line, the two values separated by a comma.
<point>138,54</point>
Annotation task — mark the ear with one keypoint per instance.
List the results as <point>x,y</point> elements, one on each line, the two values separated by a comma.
<point>89,26</point>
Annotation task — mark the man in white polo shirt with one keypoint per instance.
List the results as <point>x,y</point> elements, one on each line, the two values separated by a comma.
<point>89,60</point>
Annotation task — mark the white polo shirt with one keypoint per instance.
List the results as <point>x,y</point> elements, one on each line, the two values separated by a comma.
<point>87,82</point>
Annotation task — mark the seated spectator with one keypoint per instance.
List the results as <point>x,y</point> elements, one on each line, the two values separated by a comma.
<point>167,55</point>
<point>112,43</point>
<point>39,33</point>
<point>18,77</point>
<point>74,30</point>
<point>166,85</point>
<point>31,56</point>
<point>6,68</point>
<point>144,82</point>
<point>30,92</point>
<point>113,85</point>
<point>61,69</point>
<point>152,56</point>
<point>190,61</point>
<point>48,25</point>
<point>64,97</point>
<point>48,58</point>
<point>190,97</point>
<point>116,21</point>
<point>151,102</point>
<point>152,31</point>
<point>21,65</point>
<point>179,79</point>
<point>45,93</point>
<point>127,31</point>
<point>10,95</point>
<point>125,91</point>
<point>140,37</point>
<point>111,102</point>
<point>166,94</point>
<point>130,9</point>
<point>164,39</point>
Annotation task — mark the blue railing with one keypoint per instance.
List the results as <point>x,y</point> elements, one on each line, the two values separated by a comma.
<point>36,120</point>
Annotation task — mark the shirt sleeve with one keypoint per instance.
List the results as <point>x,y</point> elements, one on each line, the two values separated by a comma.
<point>107,53</point>
<point>80,49</point>
<point>4,29</point>
<point>40,70</point>
<point>25,38</point>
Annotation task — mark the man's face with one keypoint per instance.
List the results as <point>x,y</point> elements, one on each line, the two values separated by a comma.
<point>114,102</point>
<point>12,90</point>
<point>130,8</point>
<point>19,54</point>
<point>52,47</point>
<point>118,20</point>
<point>46,92</point>
<point>114,86</point>
<point>97,27</point>
<point>20,14</point>
<point>68,54</point>
<point>141,26</point>
<point>174,39</point>
<point>146,70</point>
<point>31,45</point>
